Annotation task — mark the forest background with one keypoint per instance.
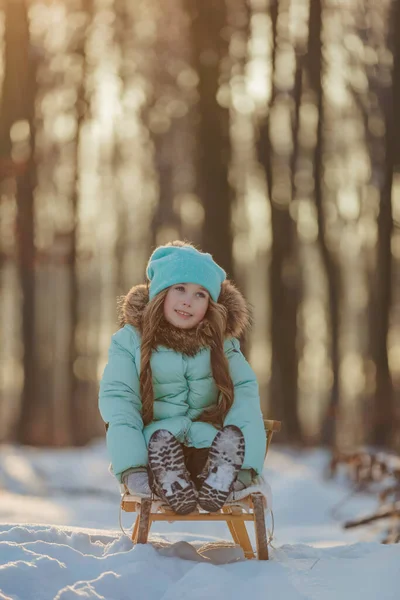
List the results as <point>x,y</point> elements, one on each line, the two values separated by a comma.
<point>267,133</point>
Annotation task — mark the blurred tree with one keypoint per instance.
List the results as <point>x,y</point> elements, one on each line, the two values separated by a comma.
<point>125,41</point>
<point>164,127</point>
<point>17,151</point>
<point>165,223</point>
<point>384,421</point>
<point>284,291</point>
<point>315,74</point>
<point>396,85</point>
<point>210,39</point>
<point>284,267</point>
<point>78,394</point>
<point>385,418</point>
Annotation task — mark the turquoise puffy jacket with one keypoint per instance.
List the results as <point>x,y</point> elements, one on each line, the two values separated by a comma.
<point>183,387</point>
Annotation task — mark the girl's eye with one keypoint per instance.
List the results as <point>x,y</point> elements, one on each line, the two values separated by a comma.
<point>180,288</point>
<point>201,294</point>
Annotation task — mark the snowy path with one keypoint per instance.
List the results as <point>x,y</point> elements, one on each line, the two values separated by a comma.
<point>78,552</point>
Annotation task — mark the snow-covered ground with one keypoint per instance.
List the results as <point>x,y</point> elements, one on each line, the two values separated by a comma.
<point>60,537</point>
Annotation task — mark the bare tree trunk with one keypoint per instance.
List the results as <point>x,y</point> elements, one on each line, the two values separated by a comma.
<point>284,308</point>
<point>396,86</point>
<point>31,429</point>
<point>284,271</point>
<point>331,268</point>
<point>170,140</point>
<point>209,50</point>
<point>165,219</point>
<point>384,420</point>
<point>81,427</point>
<point>384,415</point>
<point>18,105</point>
<point>264,148</point>
<point>384,410</point>
<point>123,39</point>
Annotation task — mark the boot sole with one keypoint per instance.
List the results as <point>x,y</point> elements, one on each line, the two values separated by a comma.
<point>225,460</point>
<point>172,481</point>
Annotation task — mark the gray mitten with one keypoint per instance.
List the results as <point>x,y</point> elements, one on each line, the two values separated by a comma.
<point>137,482</point>
<point>243,480</point>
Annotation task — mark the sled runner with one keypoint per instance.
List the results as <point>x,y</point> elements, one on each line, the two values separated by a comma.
<point>235,513</point>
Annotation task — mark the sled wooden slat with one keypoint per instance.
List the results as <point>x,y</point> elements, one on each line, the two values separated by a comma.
<point>272,425</point>
<point>135,531</point>
<point>201,517</point>
<point>238,529</point>
<point>235,516</point>
<point>259,525</point>
<point>145,520</point>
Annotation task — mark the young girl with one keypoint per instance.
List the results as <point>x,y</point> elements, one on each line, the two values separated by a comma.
<point>180,401</point>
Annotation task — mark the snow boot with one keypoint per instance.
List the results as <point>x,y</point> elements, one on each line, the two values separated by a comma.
<point>224,462</point>
<point>169,477</point>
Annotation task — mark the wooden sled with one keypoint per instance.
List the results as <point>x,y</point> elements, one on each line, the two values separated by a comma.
<point>235,515</point>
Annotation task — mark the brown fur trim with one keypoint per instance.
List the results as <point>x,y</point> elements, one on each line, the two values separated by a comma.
<point>187,341</point>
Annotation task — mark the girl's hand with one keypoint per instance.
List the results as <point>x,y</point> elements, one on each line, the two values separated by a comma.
<point>137,483</point>
<point>243,480</point>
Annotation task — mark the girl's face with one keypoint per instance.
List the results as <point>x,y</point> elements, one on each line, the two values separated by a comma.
<point>185,305</point>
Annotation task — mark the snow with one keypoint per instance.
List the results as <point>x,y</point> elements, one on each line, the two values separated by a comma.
<point>60,539</point>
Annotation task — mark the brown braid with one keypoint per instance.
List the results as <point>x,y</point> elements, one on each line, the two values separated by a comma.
<point>152,317</point>
<point>214,326</point>
<point>216,321</point>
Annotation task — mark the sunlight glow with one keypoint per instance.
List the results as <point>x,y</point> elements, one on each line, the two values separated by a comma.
<point>352,374</point>
<point>348,203</point>
<point>190,209</point>
<point>306,219</point>
<point>20,131</point>
<point>259,216</point>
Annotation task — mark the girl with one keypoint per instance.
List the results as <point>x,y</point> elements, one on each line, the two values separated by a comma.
<point>179,399</point>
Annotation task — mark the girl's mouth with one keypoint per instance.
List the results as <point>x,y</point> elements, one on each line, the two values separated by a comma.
<point>183,314</point>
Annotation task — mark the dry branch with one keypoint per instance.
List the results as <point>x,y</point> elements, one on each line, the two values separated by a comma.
<point>366,470</point>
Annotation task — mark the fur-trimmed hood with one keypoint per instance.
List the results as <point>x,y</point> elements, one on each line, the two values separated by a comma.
<point>187,341</point>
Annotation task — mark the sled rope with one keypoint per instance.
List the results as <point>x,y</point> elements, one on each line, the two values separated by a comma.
<point>271,531</point>
<point>126,493</point>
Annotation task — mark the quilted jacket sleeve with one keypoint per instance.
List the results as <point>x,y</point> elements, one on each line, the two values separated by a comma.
<point>120,405</point>
<point>245,412</point>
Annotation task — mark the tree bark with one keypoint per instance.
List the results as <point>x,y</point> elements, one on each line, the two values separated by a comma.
<point>284,309</point>
<point>209,50</point>
<point>314,62</point>
<point>384,413</point>
<point>284,268</point>
<point>396,85</point>
<point>385,419</point>
<point>82,426</point>
<point>18,99</point>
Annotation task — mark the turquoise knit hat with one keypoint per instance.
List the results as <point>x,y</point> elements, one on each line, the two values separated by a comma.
<point>169,265</point>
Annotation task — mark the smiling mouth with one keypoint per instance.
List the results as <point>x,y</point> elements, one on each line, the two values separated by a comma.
<point>182,313</point>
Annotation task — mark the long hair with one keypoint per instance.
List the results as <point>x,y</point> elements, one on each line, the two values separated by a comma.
<point>217,316</point>
<point>152,317</point>
<point>213,329</point>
